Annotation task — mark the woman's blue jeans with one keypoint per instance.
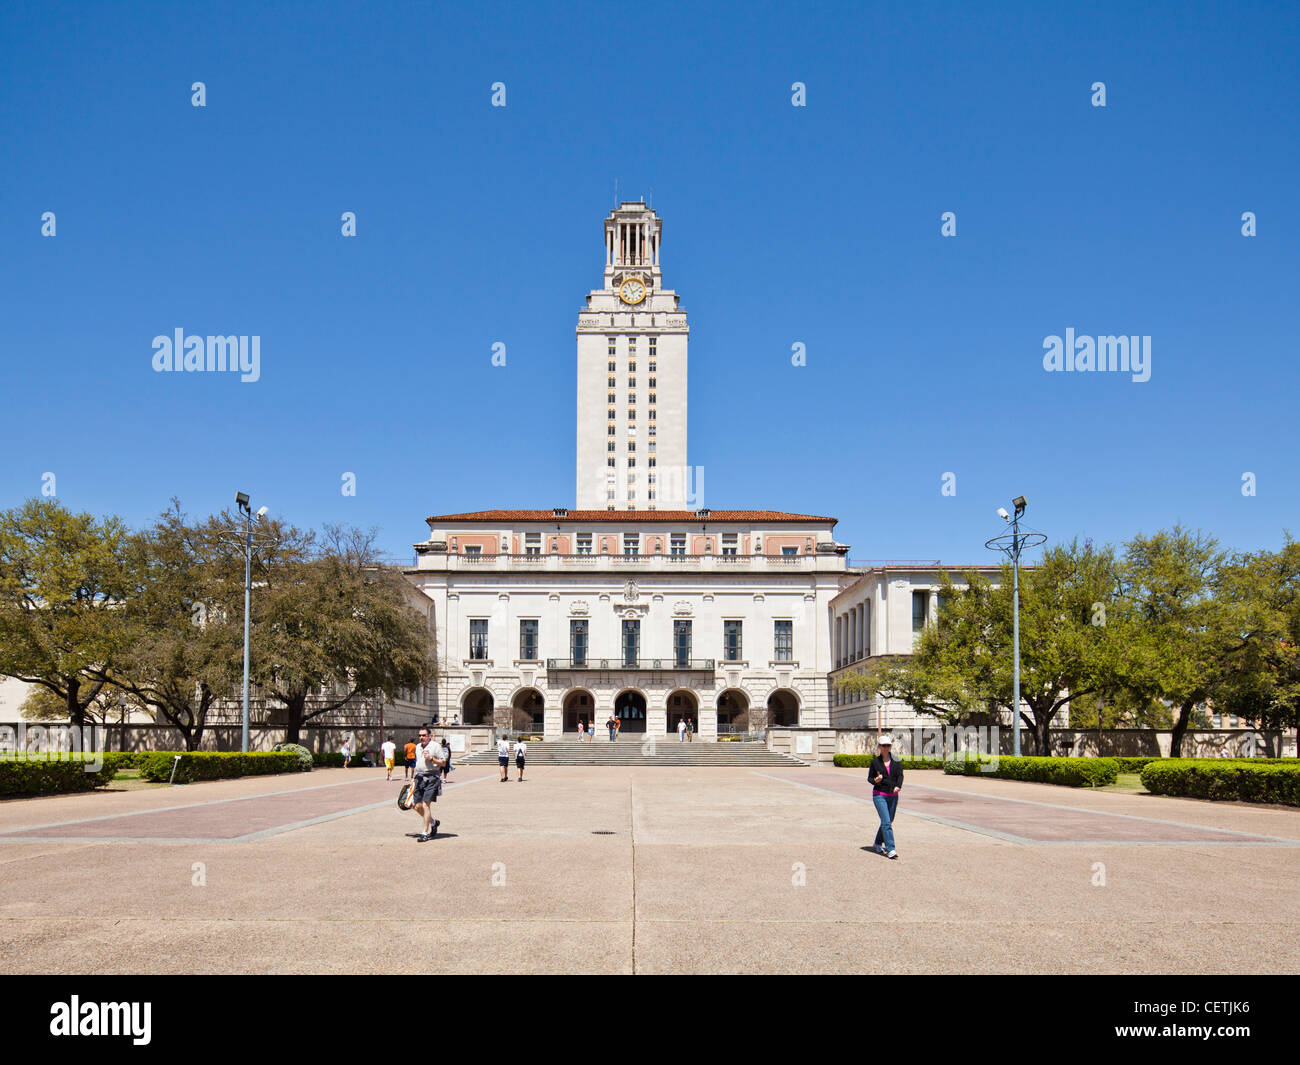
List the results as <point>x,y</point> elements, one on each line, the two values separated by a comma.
<point>885,807</point>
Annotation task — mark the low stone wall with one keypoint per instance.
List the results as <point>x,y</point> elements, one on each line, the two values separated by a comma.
<point>1129,743</point>
<point>806,744</point>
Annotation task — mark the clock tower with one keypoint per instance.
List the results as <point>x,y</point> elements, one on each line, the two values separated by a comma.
<point>632,377</point>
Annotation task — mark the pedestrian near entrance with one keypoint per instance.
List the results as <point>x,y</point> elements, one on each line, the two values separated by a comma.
<point>591,731</point>
<point>612,725</point>
<point>690,730</point>
<point>348,748</point>
<point>446,756</point>
<point>428,782</point>
<point>521,751</point>
<point>681,730</point>
<point>582,729</point>
<point>886,775</point>
<point>390,756</point>
<point>503,758</point>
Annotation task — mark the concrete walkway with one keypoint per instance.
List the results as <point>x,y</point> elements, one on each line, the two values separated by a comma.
<point>644,870</point>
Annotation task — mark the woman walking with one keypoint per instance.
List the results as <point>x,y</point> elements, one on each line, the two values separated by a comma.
<point>886,775</point>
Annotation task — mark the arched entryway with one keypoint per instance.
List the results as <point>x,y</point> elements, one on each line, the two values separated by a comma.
<point>579,706</point>
<point>783,708</point>
<point>528,710</point>
<point>733,712</point>
<point>681,705</point>
<point>476,707</point>
<point>629,708</point>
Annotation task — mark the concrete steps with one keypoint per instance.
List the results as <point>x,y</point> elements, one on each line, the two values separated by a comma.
<point>628,751</point>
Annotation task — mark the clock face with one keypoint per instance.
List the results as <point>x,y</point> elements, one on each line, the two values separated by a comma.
<point>632,291</point>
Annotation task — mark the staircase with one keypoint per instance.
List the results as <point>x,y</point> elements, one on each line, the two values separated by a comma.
<point>628,751</point>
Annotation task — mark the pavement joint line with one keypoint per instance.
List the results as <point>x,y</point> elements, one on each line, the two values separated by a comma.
<point>278,829</point>
<point>185,805</point>
<point>247,838</point>
<point>1255,839</point>
<point>1110,813</point>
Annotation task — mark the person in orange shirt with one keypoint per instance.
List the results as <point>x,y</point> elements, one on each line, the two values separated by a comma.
<point>410,759</point>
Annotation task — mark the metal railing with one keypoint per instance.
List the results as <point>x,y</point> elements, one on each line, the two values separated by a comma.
<point>607,665</point>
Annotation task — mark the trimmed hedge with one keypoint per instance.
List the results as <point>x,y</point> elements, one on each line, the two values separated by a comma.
<point>863,761</point>
<point>1068,772</point>
<point>332,759</point>
<point>215,765</point>
<point>1242,780</point>
<point>41,777</point>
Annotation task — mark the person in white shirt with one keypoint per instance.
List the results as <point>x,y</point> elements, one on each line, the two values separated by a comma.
<point>503,758</point>
<point>681,730</point>
<point>521,750</point>
<point>390,756</point>
<point>428,782</point>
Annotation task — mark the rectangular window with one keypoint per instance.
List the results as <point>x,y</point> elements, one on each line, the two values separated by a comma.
<point>532,543</point>
<point>653,398</point>
<point>611,446</point>
<point>631,640</point>
<point>789,552</point>
<point>473,549</point>
<point>652,414</point>
<point>783,640</point>
<point>677,543</point>
<point>631,415</point>
<point>631,382</point>
<point>613,382</point>
<point>631,445</point>
<point>920,600</point>
<point>478,634</point>
<point>584,543</point>
<point>613,398</point>
<point>528,639</point>
<point>578,641</point>
<point>652,382</point>
<point>611,430</point>
<point>682,643</point>
<point>631,398</point>
<point>730,543</point>
<point>631,462</point>
<point>652,362</point>
<point>611,462</point>
<point>613,365</point>
<point>631,366</point>
<point>731,641</point>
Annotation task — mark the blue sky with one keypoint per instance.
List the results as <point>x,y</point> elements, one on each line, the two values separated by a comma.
<point>817,224</point>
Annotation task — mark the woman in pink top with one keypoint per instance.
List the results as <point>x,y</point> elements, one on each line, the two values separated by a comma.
<point>886,775</point>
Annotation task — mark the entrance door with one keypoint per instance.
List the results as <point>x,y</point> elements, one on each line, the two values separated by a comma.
<point>629,708</point>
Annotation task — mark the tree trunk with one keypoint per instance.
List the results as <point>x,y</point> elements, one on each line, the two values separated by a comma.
<point>295,707</point>
<point>76,713</point>
<point>1181,722</point>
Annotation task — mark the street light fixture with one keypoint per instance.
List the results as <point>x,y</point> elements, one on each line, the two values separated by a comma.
<point>1012,546</point>
<point>241,500</point>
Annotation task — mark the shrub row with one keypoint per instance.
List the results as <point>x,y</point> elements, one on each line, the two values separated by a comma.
<point>1134,765</point>
<point>1243,780</point>
<point>39,777</point>
<point>1069,772</point>
<point>330,759</point>
<point>863,761</point>
<point>214,765</point>
<point>300,752</point>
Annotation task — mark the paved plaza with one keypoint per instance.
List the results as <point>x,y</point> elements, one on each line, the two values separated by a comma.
<point>646,870</point>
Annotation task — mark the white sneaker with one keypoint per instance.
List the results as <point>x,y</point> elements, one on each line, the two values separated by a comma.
<point>893,854</point>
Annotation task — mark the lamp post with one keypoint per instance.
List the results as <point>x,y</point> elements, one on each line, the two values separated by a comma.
<point>241,498</point>
<point>1017,543</point>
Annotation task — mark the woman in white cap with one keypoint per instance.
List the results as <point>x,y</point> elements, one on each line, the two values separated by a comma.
<point>886,775</point>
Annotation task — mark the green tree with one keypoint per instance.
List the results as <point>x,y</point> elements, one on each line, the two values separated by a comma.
<point>1180,634</point>
<point>1261,682</point>
<point>186,648</point>
<point>64,579</point>
<point>333,627</point>
<point>963,664</point>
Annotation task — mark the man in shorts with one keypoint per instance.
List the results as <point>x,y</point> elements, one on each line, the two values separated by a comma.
<point>390,756</point>
<point>521,751</point>
<point>503,758</point>
<point>428,782</point>
<point>410,760</point>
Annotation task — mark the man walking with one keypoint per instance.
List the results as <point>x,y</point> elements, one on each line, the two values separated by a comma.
<point>390,756</point>
<point>612,725</point>
<point>503,757</point>
<point>521,751</point>
<point>409,751</point>
<point>428,782</point>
